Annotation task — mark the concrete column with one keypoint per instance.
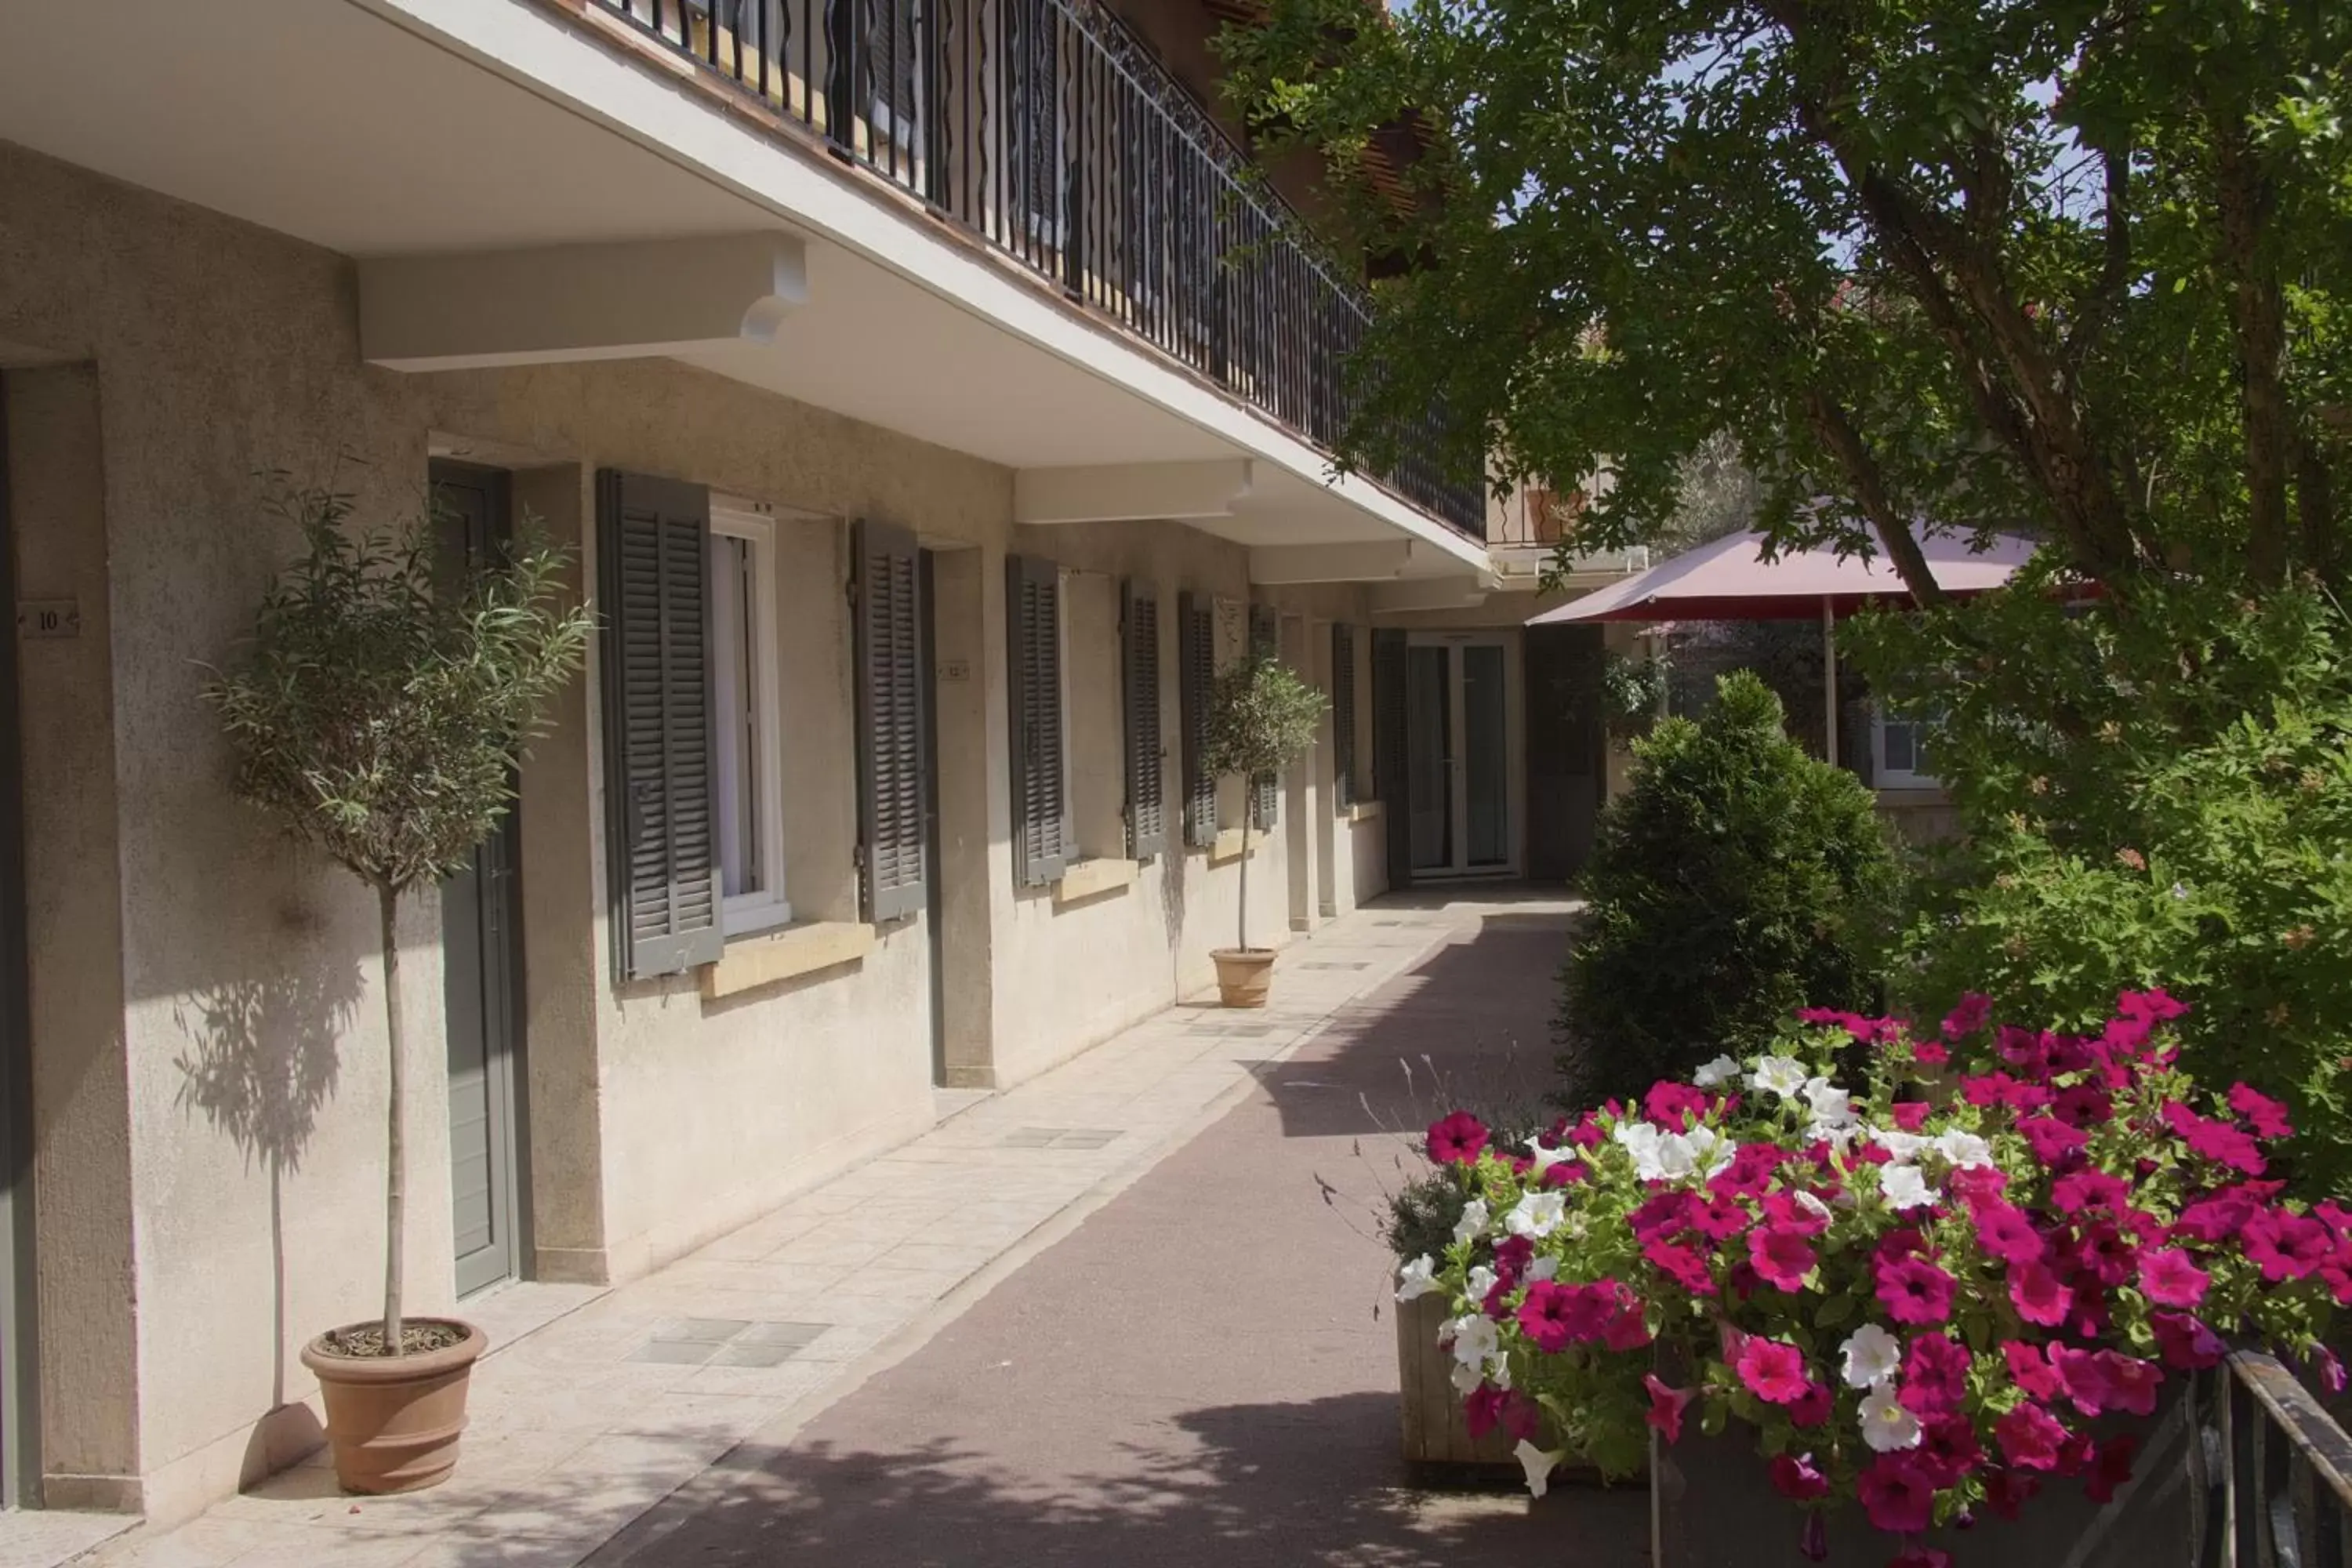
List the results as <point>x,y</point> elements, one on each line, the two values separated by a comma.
<point>1305,804</point>
<point>968,658</point>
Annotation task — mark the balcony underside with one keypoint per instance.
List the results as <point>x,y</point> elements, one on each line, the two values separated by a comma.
<point>379,130</point>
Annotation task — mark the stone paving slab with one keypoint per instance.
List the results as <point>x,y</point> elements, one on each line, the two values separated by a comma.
<point>593,1405</point>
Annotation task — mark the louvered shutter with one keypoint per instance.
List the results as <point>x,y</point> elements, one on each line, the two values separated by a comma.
<point>1265,643</point>
<point>660,779</point>
<point>1041,829</point>
<point>1196,654</point>
<point>1146,789</point>
<point>1343,713</point>
<point>890,656</point>
<point>1390,758</point>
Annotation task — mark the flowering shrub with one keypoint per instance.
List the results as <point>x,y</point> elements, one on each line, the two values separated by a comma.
<point>1920,1283</point>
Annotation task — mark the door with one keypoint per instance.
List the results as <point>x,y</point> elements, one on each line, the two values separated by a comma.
<point>481,938</point>
<point>1567,748</point>
<point>1459,731</point>
<point>20,1460</point>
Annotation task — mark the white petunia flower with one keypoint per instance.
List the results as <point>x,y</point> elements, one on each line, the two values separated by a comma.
<point>1473,1222</point>
<point>1416,1278</point>
<point>1716,1073</point>
<point>1544,1268</point>
<point>1473,1337</point>
<point>1465,1379</point>
<point>1677,1157</point>
<point>1541,1160</point>
<point>1885,1425</point>
<point>1711,1151</point>
<point>1964,1150</point>
<point>1480,1282</point>
<point>1832,1108</point>
<point>1903,1146</point>
<point>1539,1463</point>
<point>1647,1145</point>
<point>1870,1355</point>
<point>1904,1187</point>
<point>1783,1076</point>
<point>1812,1205</point>
<point>1536,1215</point>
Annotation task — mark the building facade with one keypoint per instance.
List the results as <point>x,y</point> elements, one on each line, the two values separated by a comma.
<point>931,404</point>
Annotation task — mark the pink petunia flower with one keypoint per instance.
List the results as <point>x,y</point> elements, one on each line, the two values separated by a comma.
<point>1974,1012</point>
<point>1456,1139</point>
<point>2024,1050</point>
<point>2004,1232</point>
<point>2029,1371</point>
<point>1781,1257</point>
<point>1785,1211</point>
<point>2037,1294</point>
<point>1909,1115</point>
<point>1720,1218</point>
<point>2052,1141</point>
<point>2219,1215</point>
<point>1798,1478</point>
<point>2330,1369</point>
<point>1934,1375</point>
<point>1674,1106</point>
<point>2185,1343</point>
<point>1896,1492</point>
<point>2080,1190</point>
<point>1929,1053</point>
<point>1663,1216</point>
<point>2083,1105</point>
<point>1813,1407</point>
<point>2112,1469</point>
<point>2031,1439</point>
<point>1548,1316</point>
<point>1773,1371</point>
<point>1667,1406</point>
<point>1481,1410</point>
<point>2108,1253</point>
<point>2266,1116</point>
<point>1686,1266</point>
<point>1949,1449</point>
<point>2083,1377</point>
<point>2132,1383</point>
<point>1913,1291</point>
<point>2168,1277</point>
<point>2006,1492</point>
<point>1625,1330</point>
<point>2286,1246</point>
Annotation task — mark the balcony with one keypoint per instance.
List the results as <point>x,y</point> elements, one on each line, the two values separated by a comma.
<point>1045,131</point>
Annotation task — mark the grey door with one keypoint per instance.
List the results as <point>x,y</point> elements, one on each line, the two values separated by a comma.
<point>481,938</point>
<point>1429,727</point>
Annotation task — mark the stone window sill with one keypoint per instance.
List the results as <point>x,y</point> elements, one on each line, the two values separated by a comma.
<point>786,954</point>
<point>1088,878</point>
<point>1228,846</point>
<point>1363,811</point>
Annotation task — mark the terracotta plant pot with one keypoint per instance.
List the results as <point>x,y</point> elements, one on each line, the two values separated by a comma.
<point>394,1421</point>
<point>1243,975</point>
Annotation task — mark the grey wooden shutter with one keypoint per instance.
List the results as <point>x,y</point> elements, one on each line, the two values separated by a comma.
<point>1343,713</point>
<point>890,757</point>
<point>1196,656</point>
<point>1146,789</point>
<point>660,778</point>
<point>1265,643</point>
<point>1390,758</point>
<point>1041,829</point>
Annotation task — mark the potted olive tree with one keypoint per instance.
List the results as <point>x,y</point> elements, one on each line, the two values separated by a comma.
<point>1261,715</point>
<point>378,711</point>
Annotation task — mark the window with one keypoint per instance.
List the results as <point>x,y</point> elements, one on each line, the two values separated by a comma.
<point>1040,798</point>
<point>1899,752</point>
<point>745,709</point>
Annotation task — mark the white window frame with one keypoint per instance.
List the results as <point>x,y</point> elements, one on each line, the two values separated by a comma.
<point>1884,777</point>
<point>755,523</point>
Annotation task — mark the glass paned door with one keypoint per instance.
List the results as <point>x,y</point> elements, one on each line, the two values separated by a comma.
<point>1457,694</point>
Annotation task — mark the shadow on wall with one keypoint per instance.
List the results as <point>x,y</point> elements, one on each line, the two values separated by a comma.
<point>1254,1486</point>
<point>262,1059</point>
<point>1174,862</point>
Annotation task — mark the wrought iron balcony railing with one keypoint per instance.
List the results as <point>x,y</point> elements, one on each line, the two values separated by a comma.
<point>1044,128</point>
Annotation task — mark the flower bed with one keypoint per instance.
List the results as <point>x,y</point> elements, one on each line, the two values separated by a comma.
<point>1921,1271</point>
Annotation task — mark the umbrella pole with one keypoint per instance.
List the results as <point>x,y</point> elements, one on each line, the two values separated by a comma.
<point>1828,679</point>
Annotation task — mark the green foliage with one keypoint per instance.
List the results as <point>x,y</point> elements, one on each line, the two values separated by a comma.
<point>2075,268</point>
<point>1634,694</point>
<point>1261,714</point>
<point>1737,880</point>
<point>1422,1213</point>
<point>2153,793</point>
<point>382,703</point>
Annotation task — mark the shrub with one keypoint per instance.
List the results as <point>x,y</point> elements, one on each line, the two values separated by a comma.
<point>1736,879</point>
<point>2152,787</point>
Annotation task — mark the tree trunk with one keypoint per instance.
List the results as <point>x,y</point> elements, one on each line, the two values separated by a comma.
<point>395,1117</point>
<point>1241,896</point>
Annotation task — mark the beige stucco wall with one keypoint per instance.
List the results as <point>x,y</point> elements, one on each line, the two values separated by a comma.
<point>210,1051</point>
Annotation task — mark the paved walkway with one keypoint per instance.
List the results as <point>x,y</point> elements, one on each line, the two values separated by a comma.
<point>1128,1312</point>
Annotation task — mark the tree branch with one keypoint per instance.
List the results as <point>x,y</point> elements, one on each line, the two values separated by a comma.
<point>1837,432</point>
<point>2258,319</point>
<point>2098,308</point>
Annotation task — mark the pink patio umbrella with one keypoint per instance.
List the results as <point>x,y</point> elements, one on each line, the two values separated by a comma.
<point>1730,579</point>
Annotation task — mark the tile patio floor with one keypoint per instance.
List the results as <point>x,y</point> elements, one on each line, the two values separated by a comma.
<point>1179,1217</point>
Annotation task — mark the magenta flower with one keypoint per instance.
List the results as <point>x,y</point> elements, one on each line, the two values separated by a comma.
<point>1481,1410</point>
<point>2080,1190</point>
<point>2052,1141</point>
<point>1785,1211</point>
<point>1913,1291</point>
<point>2215,1141</point>
<point>2168,1277</point>
<point>1929,1053</point>
<point>2029,1371</point>
<point>1898,1494</point>
<point>2219,1215</point>
<point>1798,1478</point>
<point>1667,1406</point>
<point>1456,1139</point>
<point>1625,1331</point>
<point>1773,1371</point>
<point>2330,1369</point>
<point>1664,1217</point>
<point>1686,1266</point>
<point>2037,1294</point>
<point>2004,1232</point>
<point>2024,1050</point>
<point>1921,1557</point>
<point>2132,1383</point>
<point>1674,1106</point>
<point>2112,1469</point>
<point>1813,1407</point>
<point>2110,1257</point>
<point>1549,1316</point>
<point>1934,1375</point>
<point>2156,1005</point>
<point>2185,1343</point>
<point>2083,1105</point>
<point>1750,1172</point>
<point>2031,1439</point>
<point>1974,1012</point>
<point>2286,1246</point>
<point>1720,1218</point>
<point>1974,1184</point>
<point>1949,1449</point>
<point>2006,1492</point>
<point>1910,1115</point>
<point>1781,1257</point>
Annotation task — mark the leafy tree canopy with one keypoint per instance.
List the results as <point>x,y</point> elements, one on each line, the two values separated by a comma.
<point>2073,266</point>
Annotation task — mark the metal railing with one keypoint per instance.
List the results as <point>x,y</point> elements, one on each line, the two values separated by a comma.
<point>2273,1467</point>
<point>1046,128</point>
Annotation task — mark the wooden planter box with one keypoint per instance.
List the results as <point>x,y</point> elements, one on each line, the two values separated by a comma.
<point>1712,1506</point>
<point>1437,1442</point>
